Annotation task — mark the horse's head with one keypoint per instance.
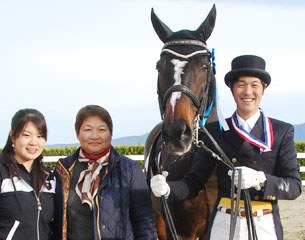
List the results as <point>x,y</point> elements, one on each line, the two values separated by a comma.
<point>185,81</point>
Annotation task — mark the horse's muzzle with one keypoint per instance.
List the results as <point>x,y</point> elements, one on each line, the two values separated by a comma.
<point>177,136</point>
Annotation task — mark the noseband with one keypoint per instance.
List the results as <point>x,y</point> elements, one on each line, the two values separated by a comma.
<point>200,104</point>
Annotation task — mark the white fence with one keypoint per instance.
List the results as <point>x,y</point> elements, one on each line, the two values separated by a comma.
<point>141,157</point>
<point>302,168</point>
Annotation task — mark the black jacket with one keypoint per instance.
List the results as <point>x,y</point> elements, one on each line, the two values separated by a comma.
<point>19,210</point>
<point>279,165</point>
<point>123,208</point>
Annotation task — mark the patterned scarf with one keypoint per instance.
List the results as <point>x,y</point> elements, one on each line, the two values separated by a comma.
<point>89,179</point>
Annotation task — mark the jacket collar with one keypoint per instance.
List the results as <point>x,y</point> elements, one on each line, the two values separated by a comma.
<point>239,143</point>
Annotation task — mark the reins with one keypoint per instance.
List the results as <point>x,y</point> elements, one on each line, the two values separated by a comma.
<point>155,168</point>
<point>223,158</point>
<point>203,106</point>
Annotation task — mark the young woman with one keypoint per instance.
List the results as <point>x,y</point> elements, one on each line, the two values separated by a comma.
<point>104,195</point>
<point>27,189</point>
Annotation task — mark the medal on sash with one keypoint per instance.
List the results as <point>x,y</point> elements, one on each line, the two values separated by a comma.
<point>264,146</point>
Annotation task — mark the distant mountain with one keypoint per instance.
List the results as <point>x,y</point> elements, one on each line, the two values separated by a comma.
<point>299,135</point>
<point>299,132</point>
<point>132,140</point>
<point>62,145</point>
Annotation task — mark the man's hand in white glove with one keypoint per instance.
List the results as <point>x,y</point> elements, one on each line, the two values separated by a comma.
<point>159,186</point>
<point>249,178</point>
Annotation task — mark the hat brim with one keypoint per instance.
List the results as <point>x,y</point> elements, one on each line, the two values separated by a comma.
<point>233,75</point>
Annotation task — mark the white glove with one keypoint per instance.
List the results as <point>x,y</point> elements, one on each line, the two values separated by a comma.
<point>159,186</point>
<point>250,178</point>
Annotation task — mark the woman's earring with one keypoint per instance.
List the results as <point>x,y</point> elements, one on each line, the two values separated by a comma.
<point>13,145</point>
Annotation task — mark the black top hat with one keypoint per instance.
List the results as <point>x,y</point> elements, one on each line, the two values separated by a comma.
<point>247,65</point>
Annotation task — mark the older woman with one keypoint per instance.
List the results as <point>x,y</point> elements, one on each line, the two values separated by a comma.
<point>104,195</point>
<point>27,189</point>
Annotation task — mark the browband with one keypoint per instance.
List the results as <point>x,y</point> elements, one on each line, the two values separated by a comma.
<point>186,42</point>
<point>185,56</point>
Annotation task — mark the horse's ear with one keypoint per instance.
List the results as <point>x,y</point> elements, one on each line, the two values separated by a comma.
<point>206,28</point>
<point>161,29</point>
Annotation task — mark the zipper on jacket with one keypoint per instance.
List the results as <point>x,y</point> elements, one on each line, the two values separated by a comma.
<point>39,208</point>
<point>97,208</point>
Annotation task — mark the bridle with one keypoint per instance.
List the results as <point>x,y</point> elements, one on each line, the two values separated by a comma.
<point>201,104</point>
<point>204,106</point>
<point>205,100</point>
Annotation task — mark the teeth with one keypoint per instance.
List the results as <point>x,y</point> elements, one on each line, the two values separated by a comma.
<point>31,150</point>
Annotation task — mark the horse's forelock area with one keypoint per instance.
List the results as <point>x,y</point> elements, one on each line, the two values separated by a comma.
<point>185,34</point>
<point>185,49</point>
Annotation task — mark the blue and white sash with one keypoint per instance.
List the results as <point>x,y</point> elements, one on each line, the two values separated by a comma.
<point>264,146</point>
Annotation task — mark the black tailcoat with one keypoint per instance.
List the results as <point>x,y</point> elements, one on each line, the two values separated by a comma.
<point>279,165</point>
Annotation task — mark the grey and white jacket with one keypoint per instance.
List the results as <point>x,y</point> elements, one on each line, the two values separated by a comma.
<point>23,213</point>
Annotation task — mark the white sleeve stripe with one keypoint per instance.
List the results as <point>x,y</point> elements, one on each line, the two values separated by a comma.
<point>13,230</point>
<point>23,186</point>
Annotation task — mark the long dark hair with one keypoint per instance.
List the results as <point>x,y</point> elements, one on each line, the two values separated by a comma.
<point>19,122</point>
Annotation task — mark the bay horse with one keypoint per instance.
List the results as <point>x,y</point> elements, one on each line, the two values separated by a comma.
<point>186,92</point>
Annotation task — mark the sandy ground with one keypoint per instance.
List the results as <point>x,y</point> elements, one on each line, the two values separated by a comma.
<point>293,218</point>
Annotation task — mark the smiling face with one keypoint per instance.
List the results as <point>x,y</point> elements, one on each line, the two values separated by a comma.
<point>247,92</point>
<point>94,135</point>
<point>29,144</point>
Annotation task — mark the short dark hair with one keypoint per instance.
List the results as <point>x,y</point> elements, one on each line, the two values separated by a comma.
<point>91,111</point>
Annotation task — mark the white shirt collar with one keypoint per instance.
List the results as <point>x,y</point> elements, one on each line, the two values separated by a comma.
<point>250,122</point>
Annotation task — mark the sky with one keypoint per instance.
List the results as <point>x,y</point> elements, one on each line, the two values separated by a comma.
<point>58,56</point>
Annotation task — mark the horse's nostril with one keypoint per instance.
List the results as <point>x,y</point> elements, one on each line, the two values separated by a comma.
<point>186,134</point>
<point>177,134</point>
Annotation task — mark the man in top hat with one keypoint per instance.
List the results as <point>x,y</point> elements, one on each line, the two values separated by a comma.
<point>261,147</point>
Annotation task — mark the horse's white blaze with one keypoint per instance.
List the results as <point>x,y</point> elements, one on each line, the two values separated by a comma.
<point>178,68</point>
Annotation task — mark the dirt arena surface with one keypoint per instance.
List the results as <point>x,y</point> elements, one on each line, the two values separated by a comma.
<point>293,218</point>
